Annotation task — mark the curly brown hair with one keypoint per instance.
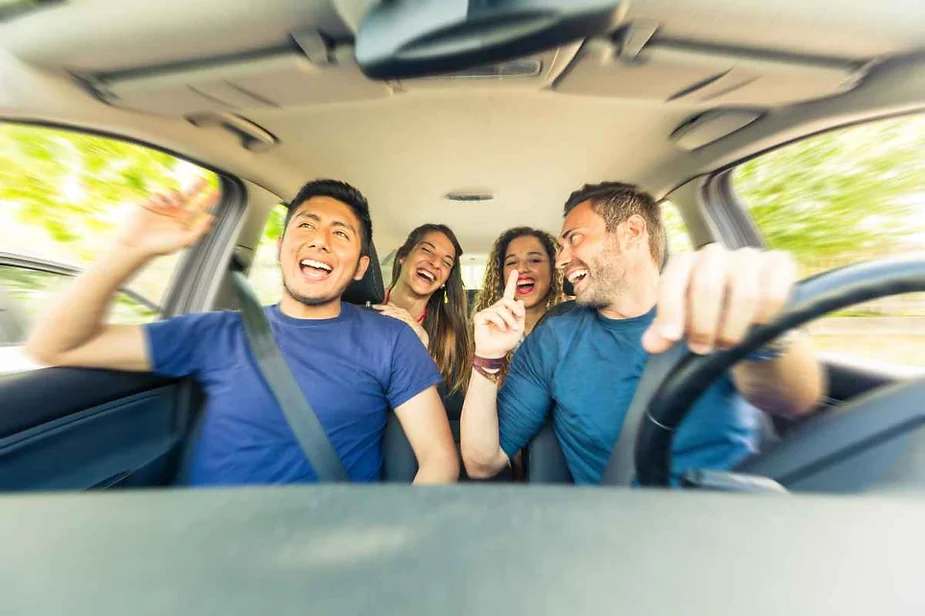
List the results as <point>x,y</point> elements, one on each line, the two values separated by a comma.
<point>493,280</point>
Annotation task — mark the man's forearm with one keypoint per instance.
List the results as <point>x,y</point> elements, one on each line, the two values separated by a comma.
<point>789,385</point>
<point>78,315</point>
<point>478,426</point>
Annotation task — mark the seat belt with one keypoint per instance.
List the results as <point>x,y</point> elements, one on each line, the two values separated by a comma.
<point>299,414</point>
<point>621,468</point>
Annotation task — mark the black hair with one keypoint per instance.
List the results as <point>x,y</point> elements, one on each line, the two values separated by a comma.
<point>346,194</point>
<point>615,202</point>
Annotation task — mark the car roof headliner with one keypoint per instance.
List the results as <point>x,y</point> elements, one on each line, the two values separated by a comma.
<point>529,146</point>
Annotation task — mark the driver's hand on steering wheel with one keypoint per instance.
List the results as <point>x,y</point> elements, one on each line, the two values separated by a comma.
<point>714,295</point>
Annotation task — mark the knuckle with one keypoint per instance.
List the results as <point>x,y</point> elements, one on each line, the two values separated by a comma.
<point>746,295</point>
<point>713,250</point>
<point>770,305</point>
<point>701,336</point>
<point>709,284</point>
<point>781,262</point>
<point>727,340</point>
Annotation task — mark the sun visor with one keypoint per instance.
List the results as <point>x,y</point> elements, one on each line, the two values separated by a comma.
<point>280,79</point>
<point>712,125</point>
<point>702,76</point>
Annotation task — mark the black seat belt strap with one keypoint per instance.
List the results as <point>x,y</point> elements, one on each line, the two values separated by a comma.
<point>305,425</point>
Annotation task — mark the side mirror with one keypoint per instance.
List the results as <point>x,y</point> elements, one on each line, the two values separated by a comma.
<point>417,38</point>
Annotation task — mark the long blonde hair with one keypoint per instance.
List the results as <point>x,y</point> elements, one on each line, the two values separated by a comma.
<point>447,320</point>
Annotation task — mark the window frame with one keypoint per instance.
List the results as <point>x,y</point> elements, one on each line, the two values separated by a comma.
<point>35,264</point>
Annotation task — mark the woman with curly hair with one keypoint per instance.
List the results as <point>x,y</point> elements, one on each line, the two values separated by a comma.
<point>533,254</point>
<point>427,293</point>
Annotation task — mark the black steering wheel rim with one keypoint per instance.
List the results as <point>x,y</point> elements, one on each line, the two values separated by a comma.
<point>694,374</point>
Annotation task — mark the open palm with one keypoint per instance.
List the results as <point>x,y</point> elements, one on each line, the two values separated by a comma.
<point>167,223</point>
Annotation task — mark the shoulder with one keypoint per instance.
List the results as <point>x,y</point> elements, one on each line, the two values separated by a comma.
<point>375,326</point>
<point>562,320</point>
<point>198,321</point>
<point>367,317</point>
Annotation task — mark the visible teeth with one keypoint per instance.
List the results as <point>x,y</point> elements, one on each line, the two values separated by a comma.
<point>525,283</point>
<point>427,275</point>
<point>577,275</point>
<point>315,264</point>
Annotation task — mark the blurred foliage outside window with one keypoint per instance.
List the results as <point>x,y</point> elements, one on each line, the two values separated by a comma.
<point>679,239</point>
<point>62,193</point>
<point>264,274</point>
<point>841,197</point>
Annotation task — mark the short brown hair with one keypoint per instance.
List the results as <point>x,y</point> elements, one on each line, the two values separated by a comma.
<point>615,202</point>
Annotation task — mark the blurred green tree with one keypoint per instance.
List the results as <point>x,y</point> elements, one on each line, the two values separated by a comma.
<point>855,191</point>
<point>73,184</point>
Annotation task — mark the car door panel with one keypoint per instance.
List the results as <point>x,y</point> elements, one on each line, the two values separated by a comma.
<point>847,381</point>
<point>111,429</point>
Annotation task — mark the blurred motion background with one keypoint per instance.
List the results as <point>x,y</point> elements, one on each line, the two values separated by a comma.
<point>844,196</point>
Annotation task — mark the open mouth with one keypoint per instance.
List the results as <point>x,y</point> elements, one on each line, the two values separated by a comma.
<point>525,286</point>
<point>315,270</point>
<point>577,276</point>
<point>426,276</point>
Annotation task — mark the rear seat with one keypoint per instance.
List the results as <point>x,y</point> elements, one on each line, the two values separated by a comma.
<point>470,296</point>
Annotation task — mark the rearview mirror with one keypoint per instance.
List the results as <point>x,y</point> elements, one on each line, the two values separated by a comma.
<point>416,38</point>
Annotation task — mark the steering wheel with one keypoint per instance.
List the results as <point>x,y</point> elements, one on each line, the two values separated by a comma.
<point>814,297</point>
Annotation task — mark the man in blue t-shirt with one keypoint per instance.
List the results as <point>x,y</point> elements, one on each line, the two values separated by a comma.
<point>583,366</point>
<point>352,364</point>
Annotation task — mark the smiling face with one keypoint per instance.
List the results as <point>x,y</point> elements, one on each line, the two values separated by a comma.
<point>591,258</point>
<point>319,252</point>
<point>428,264</point>
<point>527,255</point>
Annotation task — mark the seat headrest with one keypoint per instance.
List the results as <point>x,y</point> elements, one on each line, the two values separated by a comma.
<point>370,288</point>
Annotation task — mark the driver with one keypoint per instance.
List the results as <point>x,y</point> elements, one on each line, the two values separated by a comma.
<point>583,365</point>
<point>352,364</point>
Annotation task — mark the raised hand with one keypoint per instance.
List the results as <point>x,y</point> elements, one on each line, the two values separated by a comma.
<point>501,326</point>
<point>714,295</point>
<point>166,223</point>
<point>404,316</point>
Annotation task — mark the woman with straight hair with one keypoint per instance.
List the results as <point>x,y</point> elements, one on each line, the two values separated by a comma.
<point>427,293</point>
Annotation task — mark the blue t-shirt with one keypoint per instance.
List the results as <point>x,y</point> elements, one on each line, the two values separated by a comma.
<point>351,368</point>
<point>585,367</point>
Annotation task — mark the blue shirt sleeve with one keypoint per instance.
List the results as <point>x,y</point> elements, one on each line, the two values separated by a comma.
<point>412,370</point>
<point>180,346</point>
<point>526,394</point>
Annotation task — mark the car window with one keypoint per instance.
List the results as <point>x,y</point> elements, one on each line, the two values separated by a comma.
<point>62,194</point>
<point>28,291</point>
<point>264,275</point>
<point>472,269</point>
<point>842,197</point>
<point>679,240</point>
